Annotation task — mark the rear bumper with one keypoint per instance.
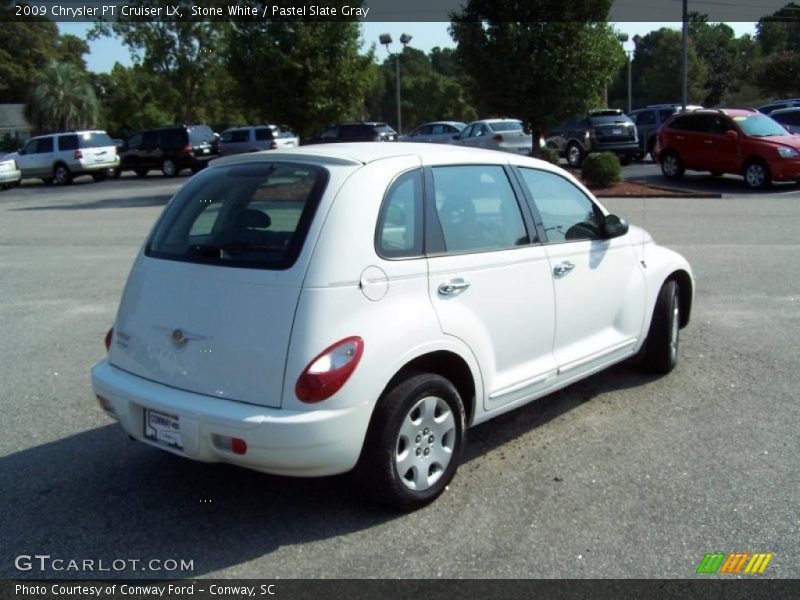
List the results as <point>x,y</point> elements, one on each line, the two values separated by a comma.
<point>617,147</point>
<point>93,167</point>
<point>297,443</point>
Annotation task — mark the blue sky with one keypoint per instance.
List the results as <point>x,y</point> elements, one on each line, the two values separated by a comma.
<point>106,51</point>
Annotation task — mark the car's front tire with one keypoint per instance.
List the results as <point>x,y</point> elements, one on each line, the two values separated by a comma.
<point>414,442</point>
<point>672,165</point>
<point>661,349</point>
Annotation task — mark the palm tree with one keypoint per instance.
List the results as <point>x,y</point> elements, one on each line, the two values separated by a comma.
<point>61,99</point>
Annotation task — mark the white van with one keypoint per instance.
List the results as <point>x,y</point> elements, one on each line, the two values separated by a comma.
<point>357,306</point>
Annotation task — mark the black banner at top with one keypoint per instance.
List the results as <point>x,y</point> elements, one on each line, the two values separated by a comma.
<point>383,10</point>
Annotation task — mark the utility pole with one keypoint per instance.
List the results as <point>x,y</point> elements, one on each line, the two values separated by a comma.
<point>685,57</point>
<point>386,39</point>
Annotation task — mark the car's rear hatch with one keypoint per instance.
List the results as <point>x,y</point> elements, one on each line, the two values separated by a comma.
<point>613,129</point>
<point>210,303</point>
<point>511,136</point>
<point>96,148</point>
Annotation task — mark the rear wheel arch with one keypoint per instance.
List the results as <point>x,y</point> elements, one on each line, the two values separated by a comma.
<point>449,365</point>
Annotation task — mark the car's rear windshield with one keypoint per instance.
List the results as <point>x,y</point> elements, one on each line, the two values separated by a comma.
<point>94,139</point>
<point>384,128</point>
<point>758,125</point>
<point>608,119</point>
<point>199,135</point>
<point>506,126</point>
<point>253,215</point>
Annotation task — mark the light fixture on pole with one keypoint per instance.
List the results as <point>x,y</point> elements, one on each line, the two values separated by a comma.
<point>386,39</point>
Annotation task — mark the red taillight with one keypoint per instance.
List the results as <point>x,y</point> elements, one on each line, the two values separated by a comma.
<point>238,446</point>
<point>330,370</point>
<point>187,149</point>
<point>78,155</point>
<point>497,138</point>
<point>109,337</point>
<point>273,146</point>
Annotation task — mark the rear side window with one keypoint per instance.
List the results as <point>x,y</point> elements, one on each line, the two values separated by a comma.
<point>173,138</point>
<point>646,118</point>
<point>477,209</point>
<point>792,118</point>
<point>68,142</point>
<point>566,212</point>
<point>252,215</point>
<point>264,133</point>
<point>399,232</point>
<point>240,135</point>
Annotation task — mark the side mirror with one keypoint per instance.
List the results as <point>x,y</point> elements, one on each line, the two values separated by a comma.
<point>615,226</point>
<point>730,133</point>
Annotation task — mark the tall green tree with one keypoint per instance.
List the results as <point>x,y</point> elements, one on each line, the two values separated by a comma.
<point>185,59</point>
<point>657,70</point>
<point>780,32</point>
<point>726,58</point>
<point>25,47</point>
<point>426,94</point>
<point>539,60</point>
<point>779,74</point>
<point>61,99</point>
<point>302,74</point>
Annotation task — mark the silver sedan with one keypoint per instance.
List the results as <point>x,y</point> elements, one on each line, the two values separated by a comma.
<point>507,135</point>
<point>438,132</point>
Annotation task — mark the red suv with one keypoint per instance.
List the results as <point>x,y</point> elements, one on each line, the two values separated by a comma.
<point>739,141</point>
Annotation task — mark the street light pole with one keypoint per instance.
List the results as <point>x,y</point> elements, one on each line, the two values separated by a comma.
<point>386,39</point>
<point>630,86</point>
<point>685,57</point>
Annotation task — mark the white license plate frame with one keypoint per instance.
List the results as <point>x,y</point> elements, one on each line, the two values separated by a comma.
<point>162,428</point>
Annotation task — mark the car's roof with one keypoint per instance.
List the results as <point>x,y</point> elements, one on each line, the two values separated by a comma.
<point>367,152</point>
<point>785,111</point>
<point>728,112</point>
<point>82,131</point>
<point>269,126</point>
<point>441,123</point>
<point>497,120</point>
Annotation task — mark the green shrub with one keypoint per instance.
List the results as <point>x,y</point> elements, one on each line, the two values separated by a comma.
<point>601,169</point>
<point>549,155</point>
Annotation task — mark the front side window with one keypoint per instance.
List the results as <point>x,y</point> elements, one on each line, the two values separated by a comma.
<point>252,215</point>
<point>400,222</point>
<point>566,212</point>
<point>477,209</point>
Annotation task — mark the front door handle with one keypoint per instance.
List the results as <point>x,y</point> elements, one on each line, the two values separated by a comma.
<point>564,267</point>
<point>453,286</point>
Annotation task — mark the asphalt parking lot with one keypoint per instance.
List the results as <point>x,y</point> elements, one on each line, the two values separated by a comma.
<point>622,475</point>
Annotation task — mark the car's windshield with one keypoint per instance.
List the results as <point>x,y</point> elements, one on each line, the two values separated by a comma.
<point>757,125</point>
<point>506,126</point>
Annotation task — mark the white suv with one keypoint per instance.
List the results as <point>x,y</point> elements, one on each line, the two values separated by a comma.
<point>61,156</point>
<point>313,311</point>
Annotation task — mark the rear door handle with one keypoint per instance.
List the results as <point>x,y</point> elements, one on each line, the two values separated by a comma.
<point>563,268</point>
<point>454,285</point>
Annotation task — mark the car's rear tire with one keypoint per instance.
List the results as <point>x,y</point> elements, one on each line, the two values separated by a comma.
<point>672,165</point>
<point>169,168</point>
<point>141,172</point>
<point>114,173</point>
<point>414,442</point>
<point>574,155</point>
<point>756,174</point>
<point>62,174</point>
<point>661,348</point>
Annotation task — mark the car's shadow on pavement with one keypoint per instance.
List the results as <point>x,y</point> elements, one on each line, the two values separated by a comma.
<point>98,495</point>
<point>491,435</point>
<point>724,184</point>
<point>137,202</point>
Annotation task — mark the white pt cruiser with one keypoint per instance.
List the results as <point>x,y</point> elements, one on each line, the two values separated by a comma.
<point>356,307</point>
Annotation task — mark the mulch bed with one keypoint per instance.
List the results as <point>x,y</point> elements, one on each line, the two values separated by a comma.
<point>634,189</point>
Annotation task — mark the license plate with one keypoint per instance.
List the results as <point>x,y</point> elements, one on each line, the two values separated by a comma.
<point>616,132</point>
<point>162,428</point>
<point>205,150</point>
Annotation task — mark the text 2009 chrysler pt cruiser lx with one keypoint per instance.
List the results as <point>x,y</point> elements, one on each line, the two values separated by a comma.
<point>312,311</point>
